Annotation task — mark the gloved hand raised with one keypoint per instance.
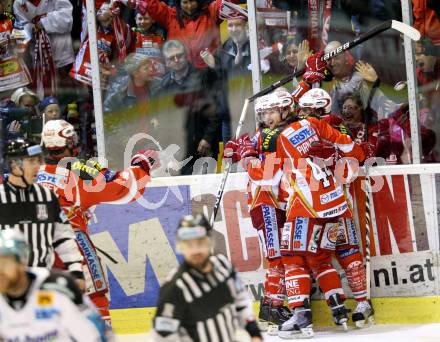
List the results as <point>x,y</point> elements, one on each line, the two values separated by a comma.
<point>147,159</point>
<point>315,69</point>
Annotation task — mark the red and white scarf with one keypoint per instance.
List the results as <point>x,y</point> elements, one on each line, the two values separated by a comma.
<point>45,82</point>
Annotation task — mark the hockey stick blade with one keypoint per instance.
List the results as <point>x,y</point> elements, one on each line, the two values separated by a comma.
<point>405,29</point>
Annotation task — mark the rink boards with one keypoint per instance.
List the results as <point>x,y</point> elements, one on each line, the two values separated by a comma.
<point>139,237</point>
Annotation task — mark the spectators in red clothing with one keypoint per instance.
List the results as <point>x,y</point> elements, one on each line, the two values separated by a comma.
<point>192,22</point>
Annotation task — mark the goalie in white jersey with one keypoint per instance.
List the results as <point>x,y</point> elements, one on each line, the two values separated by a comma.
<point>39,305</point>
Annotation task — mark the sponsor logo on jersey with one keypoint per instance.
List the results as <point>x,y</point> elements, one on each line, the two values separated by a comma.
<point>42,213</point>
<point>292,287</point>
<point>330,196</point>
<point>347,252</point>
<point>351,231</point>
<point>45,298</point>
<point>330,236</point>
<point>301,135</point>
<point>45,314</point>
<point>300,234</point>
<point>91,260</point>
<point>49,179</point>
<point>271,229</point>
<point>335,211</point>
<point>285,237</point>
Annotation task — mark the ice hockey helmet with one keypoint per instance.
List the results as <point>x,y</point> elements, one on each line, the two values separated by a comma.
<point>12,242</point>
<point>193,227</point>
<point>21,148</point>
<point>316,98</point>
<point>279,99</point>
<point>58,134</point>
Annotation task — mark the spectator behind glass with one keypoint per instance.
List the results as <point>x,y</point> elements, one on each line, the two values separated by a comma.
<point>14,72</point>
<point>400,127</point>
<point>50,109</point>
<point>148,39</point>
<point>18,112</point>
<point>232,60</point>
<point>194,91</point>
<point>113,37</point>
<point>49,23</point>
<point>132,85</point>
<point>427,19</point>
<point>193,22</point>
<point>359,78</point>
<point>384,144</point>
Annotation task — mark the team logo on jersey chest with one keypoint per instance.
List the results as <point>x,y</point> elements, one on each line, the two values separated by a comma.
<point>42,213</point>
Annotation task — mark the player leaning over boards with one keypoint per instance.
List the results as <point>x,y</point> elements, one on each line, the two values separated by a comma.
<point>80,186</point>
<point>204,299</point>
<point>266,201</point>
<point>39,305</point>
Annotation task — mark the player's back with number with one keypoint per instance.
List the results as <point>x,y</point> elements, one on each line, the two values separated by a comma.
<point>310,183</point>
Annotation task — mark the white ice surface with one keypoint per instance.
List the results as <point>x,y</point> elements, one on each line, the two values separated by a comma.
<point>376,333</point>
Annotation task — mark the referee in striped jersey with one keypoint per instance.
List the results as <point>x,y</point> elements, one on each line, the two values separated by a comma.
<point>204,299</point>
<point>35,211</point>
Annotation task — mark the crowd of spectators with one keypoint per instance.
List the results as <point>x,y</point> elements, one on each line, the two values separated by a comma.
<point>156,49</point>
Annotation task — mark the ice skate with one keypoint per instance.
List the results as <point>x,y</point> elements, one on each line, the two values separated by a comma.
<point>339,311</point>
<point>299,325</point>
<point>278,315</point>
<point>363,313</point>
<point>264,314</point>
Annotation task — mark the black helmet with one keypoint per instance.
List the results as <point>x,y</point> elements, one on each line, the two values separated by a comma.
<point>22,148</point>
<point>193,227</point>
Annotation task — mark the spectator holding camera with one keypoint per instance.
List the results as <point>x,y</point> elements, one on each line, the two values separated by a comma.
<point>18,112</point>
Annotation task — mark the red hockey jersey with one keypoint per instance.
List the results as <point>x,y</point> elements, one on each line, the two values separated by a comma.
<point>86,185</point>
<point>313,191</point>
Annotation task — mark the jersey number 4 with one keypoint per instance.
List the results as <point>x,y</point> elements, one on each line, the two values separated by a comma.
<point>320,173</point>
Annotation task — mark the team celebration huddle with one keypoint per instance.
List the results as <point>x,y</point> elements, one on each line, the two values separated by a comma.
<point>310,149</point>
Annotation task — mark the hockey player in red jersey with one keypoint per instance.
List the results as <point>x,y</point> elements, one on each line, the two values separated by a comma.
<point>266,201</point>
<point>80,186</point>
<point>317,103</point>
<point>315,204</point>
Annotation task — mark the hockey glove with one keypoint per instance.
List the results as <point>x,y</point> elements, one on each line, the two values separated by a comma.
<point>232,147</point>
<point>315,69</point>
<point>322,150</point>
<point>147,159</point>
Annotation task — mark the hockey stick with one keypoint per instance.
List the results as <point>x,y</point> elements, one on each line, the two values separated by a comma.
<point>221,189</point>
<point>394,24</point>
<point>405,29</point>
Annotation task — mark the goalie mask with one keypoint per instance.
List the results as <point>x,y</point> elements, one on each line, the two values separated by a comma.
<point>315,102</point>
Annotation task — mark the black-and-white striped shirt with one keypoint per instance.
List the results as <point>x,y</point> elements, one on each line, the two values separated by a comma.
<point>205,307</point>
<point>36,212</point>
